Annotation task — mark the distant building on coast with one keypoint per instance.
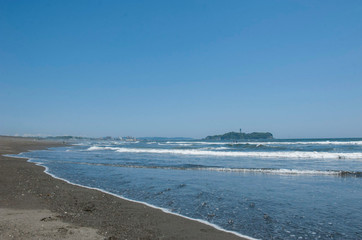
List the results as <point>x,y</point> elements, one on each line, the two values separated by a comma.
<point>127,139</point>
<point>130,139</point>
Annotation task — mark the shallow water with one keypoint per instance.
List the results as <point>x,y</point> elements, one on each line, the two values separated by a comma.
<point>283,189</point>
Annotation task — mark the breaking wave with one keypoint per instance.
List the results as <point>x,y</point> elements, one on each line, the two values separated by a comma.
<point>194,167</point>
<point>276,154</point>
<point>273,143</point>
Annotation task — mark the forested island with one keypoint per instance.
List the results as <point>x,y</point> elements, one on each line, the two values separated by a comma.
<point>241,136</point>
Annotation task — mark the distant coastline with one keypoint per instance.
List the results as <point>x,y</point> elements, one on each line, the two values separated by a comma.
<point>241,136</point>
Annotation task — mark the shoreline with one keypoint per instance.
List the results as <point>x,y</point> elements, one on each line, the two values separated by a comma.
<point>113,216</point>
<point>139,202</point>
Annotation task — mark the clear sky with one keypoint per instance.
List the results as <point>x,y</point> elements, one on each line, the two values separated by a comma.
<point>181,68</point>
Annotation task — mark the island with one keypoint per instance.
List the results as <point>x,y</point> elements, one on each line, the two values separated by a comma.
<point>241,136</point>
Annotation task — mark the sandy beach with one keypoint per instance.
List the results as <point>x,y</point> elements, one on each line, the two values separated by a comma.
<point>34,205</point>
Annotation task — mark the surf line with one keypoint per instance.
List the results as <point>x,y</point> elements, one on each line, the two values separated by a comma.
<point>46,170</point>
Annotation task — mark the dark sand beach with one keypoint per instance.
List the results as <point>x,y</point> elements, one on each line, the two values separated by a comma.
<point>34,205</point>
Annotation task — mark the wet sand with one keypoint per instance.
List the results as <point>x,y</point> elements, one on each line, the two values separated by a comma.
<point>34,205</point>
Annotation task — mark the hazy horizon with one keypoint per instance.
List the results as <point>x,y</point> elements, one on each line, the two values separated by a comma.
<point>155,137</point>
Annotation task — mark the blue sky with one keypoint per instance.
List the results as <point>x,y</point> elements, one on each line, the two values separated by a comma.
<point>181,68</point>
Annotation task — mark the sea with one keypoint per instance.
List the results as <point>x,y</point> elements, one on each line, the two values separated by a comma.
<point>272,189</point>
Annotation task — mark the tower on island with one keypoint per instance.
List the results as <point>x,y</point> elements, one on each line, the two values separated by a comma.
<point>240,130</point>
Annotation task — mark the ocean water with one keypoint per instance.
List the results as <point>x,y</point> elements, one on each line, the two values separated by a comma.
<point>279,189</point>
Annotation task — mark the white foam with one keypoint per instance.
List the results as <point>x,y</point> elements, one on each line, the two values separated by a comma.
<point>135,201</point>
<point>215,148</point>
<point>274,171</point>
<point>79,144</point>
<point>327,142</point>
<point>98,148</point>
<point>178,144</point>
<point>310,143</point>
<point>206,143</point>
<point>223,169</point>
<point>277,154</point>
<point>237,170</point>
<point>15,156</point>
